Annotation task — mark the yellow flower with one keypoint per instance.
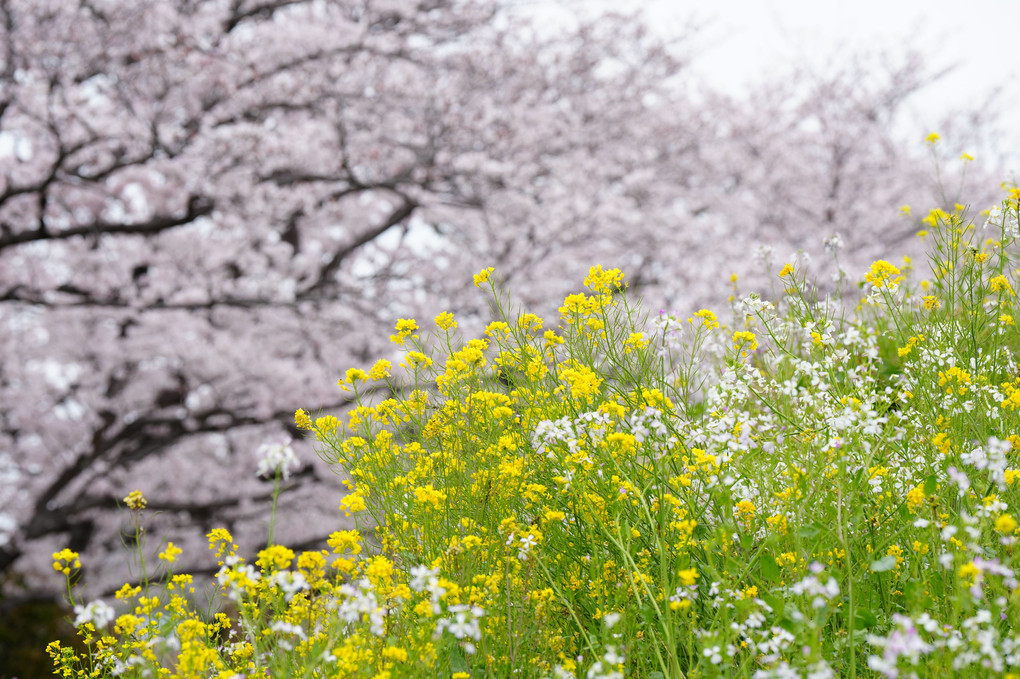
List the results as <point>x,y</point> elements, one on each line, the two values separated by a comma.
<point>745,339</point>
<point>529,322</point>
<point>599,280</point>
<point>582,380</point>
<point>967,158</point>
<point>379,570</point>
<point>406,327</point>
<point>552,339</point>
<point>275,558</point>
<point>688,576</point>
<point>1005,524</point>
<point>127,592</point>
<point>915,498</point>
<point>416,358</point>
<point>999,284</point>
<point>135,500</point>
<point>65,561</point>
<point>326,424</point>
<point>445,321</point>
<point>932,139</point>
<point>708,319</point>
<point>354,375</point>
<point>345,541</point>
<point>786,271</point>
<point>171,553</point>
<point>777,523</point>
<point>353,502</point>
<point>482,276</point>
<point>882,274</point>
<point>895,551</point>
<point>497,327</point>
<point>400,655</point>
<point>429,495</point>
<point>635,341</point>
<point>222,542</point>
<point>380,371</point>
<point>745,510</point>
<point>302,420</point>
<point>968,570</point>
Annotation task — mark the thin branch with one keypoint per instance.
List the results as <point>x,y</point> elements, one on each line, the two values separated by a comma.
<point>198,206</point>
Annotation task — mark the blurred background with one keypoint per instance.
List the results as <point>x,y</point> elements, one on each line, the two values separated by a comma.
<point>210,209</point>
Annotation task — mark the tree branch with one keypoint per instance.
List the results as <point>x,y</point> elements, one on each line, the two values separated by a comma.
<point>198,206</point>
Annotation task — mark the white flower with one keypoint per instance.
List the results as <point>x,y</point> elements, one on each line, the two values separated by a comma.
<point>290,582</point>
<point>98,612</point>
<point>276,458</point>
<point>611,619</point>
<point>833,243</point>
<point>286,628</point>
<point>527,542</point>
<point>612,657</point>
<point>463,626</point>
<point>422,576</point>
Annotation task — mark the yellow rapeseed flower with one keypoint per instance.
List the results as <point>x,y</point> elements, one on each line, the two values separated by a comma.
<point>600,280</point>
<point>1000,284</point>
<point>275,558</point>
<point>745,339</point>
<point>708,319</point>
<point>221,542</point>
<point>302,420</point>
<point>345,541</point>
<point>445,321</point>
<point>353,502</point>
<point>482,276</point>
<point>65,561</point>
<point>171,553</point>
<point>882,274</point>
<point>406,327</point>
<point>381,370</point>
<point>1005,524</point>
<point>135,500</point>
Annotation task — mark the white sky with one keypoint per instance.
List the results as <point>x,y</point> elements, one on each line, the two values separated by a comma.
<point>742,39</point>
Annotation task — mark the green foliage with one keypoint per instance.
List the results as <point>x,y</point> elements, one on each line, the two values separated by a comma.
<point>807,494</point>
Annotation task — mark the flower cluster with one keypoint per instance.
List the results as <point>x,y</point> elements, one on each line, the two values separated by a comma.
<point>805,493</point>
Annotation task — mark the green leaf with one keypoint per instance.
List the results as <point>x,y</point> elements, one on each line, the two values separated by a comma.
<point>864,619</point>
<point>768,567</point>
<point>809,532</point>
<point>886,563</point>
<point>458,663</point>
<point>931,484</point>
<point>774,602</point>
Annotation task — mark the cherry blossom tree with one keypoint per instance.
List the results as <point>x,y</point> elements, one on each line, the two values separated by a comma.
<point>210,208</point>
